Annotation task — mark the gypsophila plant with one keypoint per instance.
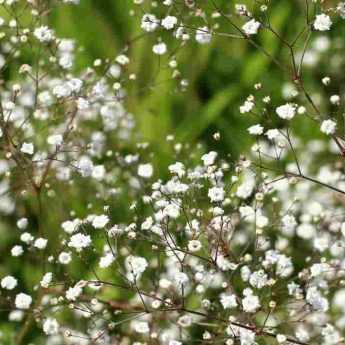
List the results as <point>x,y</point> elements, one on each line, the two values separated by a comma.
<point>213,249</point>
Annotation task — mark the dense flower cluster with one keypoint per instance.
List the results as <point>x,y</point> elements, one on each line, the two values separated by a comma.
<point>210,250</point>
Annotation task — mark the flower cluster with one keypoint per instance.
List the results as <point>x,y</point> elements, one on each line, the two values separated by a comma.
<point>211,249</point>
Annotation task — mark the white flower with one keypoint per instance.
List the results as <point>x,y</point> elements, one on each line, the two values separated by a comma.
<point>317,301</point>
<point>145,170</point>
<point>209,158</point>
<point>185,321</point>
<point>149,22</point>
<point>62,90</point>
<point>335,99</point>
<point>241,9</point>
<point>82,103</point>
<point>73,292</point>
<point>250,302</point>
<point>122,59</point>
<point>272,134</point>
<point>286,111</point>
<point>50,326</point>
<point>181,278</point>
<point>160,48</point>
<point>79,241</point>
<point>70,226</point>
<point>281,338</point>
<point>141,327</point>
<point>194,245</point>
<point>9,283</point>
<point>322,22</point>
<point>66,61</point>
<point>328,127</point>
<point>169,22</point>
<point>17,250</point>
<point>172,211</point>
<point>177,168</point>
<point>106,260</point>
<point>251,27</point>
<point>216,194</point>
<point>46,280</point>
<point>26,237</point>
<point>44,34</point>
<point>16,315</point>
<point>258,279</point>
<point>203,35</point>
<point>64,258</point>
<point>40,243</point>
<point>246,107</point>
<point>136,265</point>
<point>256,130</point>
<point>23,301</point>
<point>27,148</point>
<point>98,172</point>
<point>22,223</point>
<point>100,222</point>
<point>228,301</point>
<point>55,139</point>
<point>288,225</point>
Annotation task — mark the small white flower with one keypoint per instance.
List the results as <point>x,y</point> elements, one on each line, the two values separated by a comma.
<point>65,258</point>
<point>169,22</point>
<point>44,34</point>
<point>79,241</point>
<point>250,302</point>
<point>194,246</point>
<point>145,170</point>
<point>209,158</point>
<point>272,134</point>
<point>100,222</point>
<point>141,327</point>
<point>335,99</point>
<point>27,148</point>
<point>177,168</point>
<point>22,223</point>
<point>228,301</point>
<point>122,59</point>
<point>17,251</point>
<point>256,130</point>
<point>322,22</point>
<point>281,338</point>
<point>9,283</point>
<point>106,260</point>
<point>181,279</point>
<point>216,194</point>
<point>286,111</point>
<point>160,48</point>
<point>149,22</point>
<point>55,139</point>
<point>40,243</point>
<point>328,127</point>
<point>251,27</point>
<point>136,265</point>
<point>23,301</point>
<point>46,280</point>
<point>203,35</point>
<point>50,326</point>
<point>73,292</point>
<point>70,226</point>
<point>246,107</point>
<point>26,237</point>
